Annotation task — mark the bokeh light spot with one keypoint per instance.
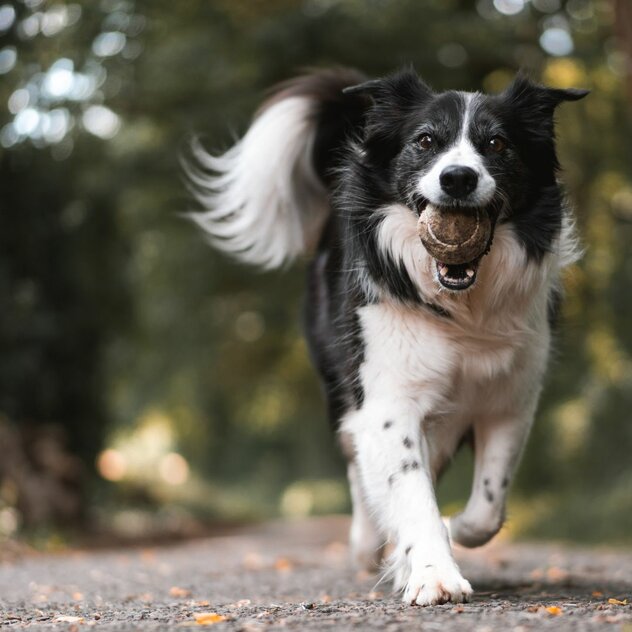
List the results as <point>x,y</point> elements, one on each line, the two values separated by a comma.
<point>9,521</point>
<point>111,465</point>
<point>29,27</point>
<point>556,41</point>
<point>173,469</point>
<point>18,100</point>
<point>9,136</point>
<point>8,57</point>
<point>26,121</point>
<point>509,7</point>
<point>7,17</point>
<point>109,44</point>
<point>564,73</point>
<point>101,121</point>
<point>58,125</point>
<point>54,20</point>
<point>59,79</point>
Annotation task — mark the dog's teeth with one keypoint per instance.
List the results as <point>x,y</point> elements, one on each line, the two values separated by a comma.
<point>443,270</point>
<point>470,272</point>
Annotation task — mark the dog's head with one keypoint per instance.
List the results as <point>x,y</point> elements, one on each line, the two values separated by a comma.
<point>458,153</point>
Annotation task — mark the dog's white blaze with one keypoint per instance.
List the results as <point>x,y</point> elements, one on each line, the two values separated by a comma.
<point>462,153</point>
<point>264,202</point>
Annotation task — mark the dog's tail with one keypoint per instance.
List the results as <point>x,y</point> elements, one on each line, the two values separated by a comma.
<point>267,198</point>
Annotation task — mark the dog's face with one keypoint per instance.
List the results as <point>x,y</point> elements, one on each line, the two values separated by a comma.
<point>463,151</point>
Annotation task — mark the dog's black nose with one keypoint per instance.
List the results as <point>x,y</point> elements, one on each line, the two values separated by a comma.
<point>458,181</point>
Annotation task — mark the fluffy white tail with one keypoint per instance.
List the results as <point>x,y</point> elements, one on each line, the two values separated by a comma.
<point>264,201</point>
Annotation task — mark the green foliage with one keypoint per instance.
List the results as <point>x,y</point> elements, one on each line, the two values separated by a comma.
<point>115,307</point>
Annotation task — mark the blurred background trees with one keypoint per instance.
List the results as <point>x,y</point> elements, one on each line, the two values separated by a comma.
<point>170,384</point>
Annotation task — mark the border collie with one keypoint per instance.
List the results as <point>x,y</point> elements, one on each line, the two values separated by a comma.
<point>416,356</point>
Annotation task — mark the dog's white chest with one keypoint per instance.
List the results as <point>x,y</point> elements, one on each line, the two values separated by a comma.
<point>411,352</point>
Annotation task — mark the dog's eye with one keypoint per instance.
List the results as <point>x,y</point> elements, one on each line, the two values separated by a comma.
<point>425,141</point>
<point>497,144</point>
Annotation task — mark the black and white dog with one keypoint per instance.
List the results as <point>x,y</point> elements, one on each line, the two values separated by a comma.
<point>415,355</point>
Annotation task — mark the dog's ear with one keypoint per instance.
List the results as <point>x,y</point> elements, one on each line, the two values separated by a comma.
<point>533,107</point>
<point>529,109</point>
<point>389,100</point>
<point>527,96</point>
<point>401,90</point>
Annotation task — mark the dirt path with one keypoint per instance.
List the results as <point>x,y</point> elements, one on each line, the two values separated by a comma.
<point>295,576</point>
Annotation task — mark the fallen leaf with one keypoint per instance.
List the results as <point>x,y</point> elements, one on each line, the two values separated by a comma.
<point>176,591</point>
<point>556,574</point>
<point>618,602</point>
<point>554,610</point>
<point>148,556</point>
<point>253,561</point>
<point>203,603</point>
<point>68,619</point>
<point>283,565</point>
<point>208,618</point>
<point>597,593</point>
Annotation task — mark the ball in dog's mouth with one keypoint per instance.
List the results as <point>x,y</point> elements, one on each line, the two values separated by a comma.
<point>457,238</point>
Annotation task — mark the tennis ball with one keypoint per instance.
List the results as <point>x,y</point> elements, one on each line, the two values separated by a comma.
<point>455,236</point>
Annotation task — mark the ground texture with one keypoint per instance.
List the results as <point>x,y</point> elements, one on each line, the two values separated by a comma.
<point>295,576</point>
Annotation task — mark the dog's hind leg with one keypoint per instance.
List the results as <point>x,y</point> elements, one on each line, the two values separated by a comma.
<point>498,445</point>
<point>502,415</point>
<point>367,543</point>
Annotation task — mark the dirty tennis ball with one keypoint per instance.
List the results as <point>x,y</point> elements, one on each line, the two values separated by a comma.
<point>455,236</point>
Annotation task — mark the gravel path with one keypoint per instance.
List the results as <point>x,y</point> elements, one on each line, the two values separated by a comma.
<point>295,576</point>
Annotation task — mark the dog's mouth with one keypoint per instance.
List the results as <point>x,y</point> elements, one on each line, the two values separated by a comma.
<point>456,277</point>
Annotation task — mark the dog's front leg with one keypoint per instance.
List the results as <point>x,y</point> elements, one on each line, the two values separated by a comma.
<point>392,459</point>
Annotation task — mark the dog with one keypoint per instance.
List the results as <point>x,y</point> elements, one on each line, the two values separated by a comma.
<point>416,355</point>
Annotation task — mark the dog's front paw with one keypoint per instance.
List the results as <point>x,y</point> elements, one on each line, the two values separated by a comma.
<point>432,584</point>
